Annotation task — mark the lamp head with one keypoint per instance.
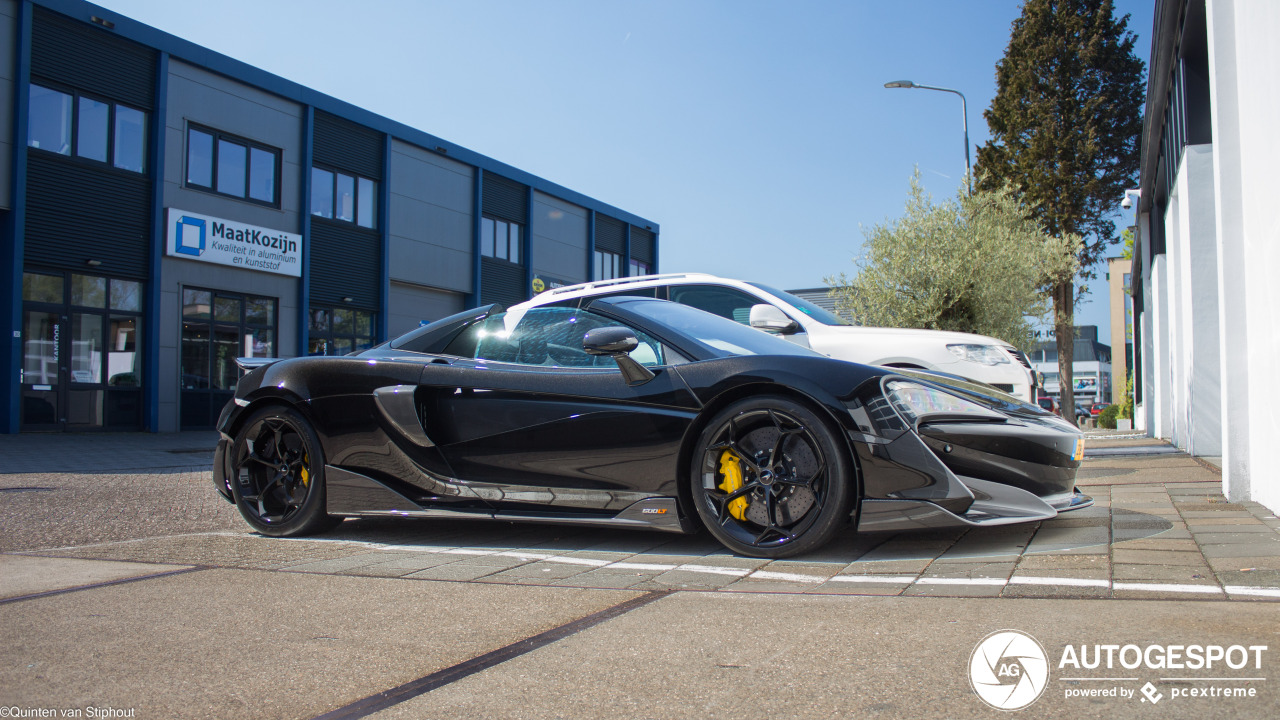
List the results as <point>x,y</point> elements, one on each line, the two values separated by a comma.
<point>900,84</point>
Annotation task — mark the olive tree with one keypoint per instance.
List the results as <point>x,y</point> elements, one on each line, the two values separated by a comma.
<point>974,264</point>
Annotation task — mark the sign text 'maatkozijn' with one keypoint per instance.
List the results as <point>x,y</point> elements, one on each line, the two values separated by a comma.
<point>226,242</point>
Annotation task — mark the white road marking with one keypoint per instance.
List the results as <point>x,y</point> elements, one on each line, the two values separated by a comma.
<point>787,577</point>
<point>1246,590</point>
<point>746,574</point>
<point>883,579</point>
<point>1165,587</point>
<point>1068,582</point>
<point>961,581</point>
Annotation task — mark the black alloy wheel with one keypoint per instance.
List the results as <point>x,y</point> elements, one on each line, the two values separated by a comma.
<point>277,474</point>
<point>771,479</point>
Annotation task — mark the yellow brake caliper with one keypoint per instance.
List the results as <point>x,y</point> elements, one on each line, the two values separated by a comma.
<point>731,468</point>
<point>303,474</point>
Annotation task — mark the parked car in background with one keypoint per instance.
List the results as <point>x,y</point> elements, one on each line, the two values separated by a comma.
<point>975,357</point>
<point>1049,403</point>
<point>1096,409</point>
<point>1082,413</point>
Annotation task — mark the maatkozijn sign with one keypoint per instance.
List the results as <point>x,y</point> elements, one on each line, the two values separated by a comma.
<point>209,239</point>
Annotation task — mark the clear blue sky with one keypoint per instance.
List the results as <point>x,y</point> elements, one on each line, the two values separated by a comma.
<point>758,134</point>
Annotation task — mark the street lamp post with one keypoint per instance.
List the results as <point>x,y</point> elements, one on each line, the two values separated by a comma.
<point>964,110</point>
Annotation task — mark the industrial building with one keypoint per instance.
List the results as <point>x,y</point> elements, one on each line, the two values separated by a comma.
<point>166,209</point>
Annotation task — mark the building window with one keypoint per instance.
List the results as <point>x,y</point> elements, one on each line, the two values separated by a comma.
<point>81,351</point>
<point>500,239</point>
<point>338,331</point>
<point>85,127</point>
<point>349,198</point>
<point>639,268</point>
<point>230,165</point>
<point>608,265</point>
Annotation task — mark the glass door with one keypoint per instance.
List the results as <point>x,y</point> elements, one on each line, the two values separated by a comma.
<point>42,370</point>
<point>217,328</point>
<point>81,358</point>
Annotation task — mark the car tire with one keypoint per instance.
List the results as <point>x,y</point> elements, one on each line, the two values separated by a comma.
<point>771,478</point>
<point>276,468</point>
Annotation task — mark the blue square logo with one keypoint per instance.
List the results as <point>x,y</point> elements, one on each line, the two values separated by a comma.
<point>189,236</point>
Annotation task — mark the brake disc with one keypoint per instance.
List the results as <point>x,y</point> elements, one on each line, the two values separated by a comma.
<point>798,461</point>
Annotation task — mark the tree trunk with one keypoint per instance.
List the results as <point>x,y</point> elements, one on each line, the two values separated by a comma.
<point>1064,329</point>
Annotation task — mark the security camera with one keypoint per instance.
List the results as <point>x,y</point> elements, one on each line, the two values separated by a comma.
<point>1129,195</point>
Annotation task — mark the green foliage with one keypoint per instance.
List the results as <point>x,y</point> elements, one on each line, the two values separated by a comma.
<point>1107,418</point>
<point>971,264</point>
<point>1066,123</point>
<point>1126,406</point>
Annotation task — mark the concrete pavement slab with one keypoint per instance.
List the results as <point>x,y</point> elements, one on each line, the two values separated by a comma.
<point>1064,562</point>
<point>699,655</point>
<point>1162,573</point>
<point>604,578</point>
<point>1186,545</point>
<point>235,643</point>
<point>887,567</point>
<point>1121,556</point>
<point>27,575</point>
<point>1238,550</point>
<point>968,569</point>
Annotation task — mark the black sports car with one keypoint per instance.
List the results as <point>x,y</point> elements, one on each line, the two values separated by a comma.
<point>633,412</point>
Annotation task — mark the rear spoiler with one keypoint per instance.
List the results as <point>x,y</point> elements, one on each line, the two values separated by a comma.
<point>249,363</point>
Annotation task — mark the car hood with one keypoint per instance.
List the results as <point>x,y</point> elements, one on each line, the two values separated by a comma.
<point>948,336</point>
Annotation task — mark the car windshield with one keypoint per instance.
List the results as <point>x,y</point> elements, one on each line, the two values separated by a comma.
<point>822,315</point>
<point>721,336</point>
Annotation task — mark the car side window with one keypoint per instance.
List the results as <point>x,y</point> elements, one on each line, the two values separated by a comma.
<point>548,336</point>
<point>725,302</point>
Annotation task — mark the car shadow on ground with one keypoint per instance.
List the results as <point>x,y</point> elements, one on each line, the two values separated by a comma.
<point>1064,534</point>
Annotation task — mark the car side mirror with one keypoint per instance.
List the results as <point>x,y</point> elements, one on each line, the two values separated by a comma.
<point>618,343</point>
<point>770,319</point>
<point>610,341</point>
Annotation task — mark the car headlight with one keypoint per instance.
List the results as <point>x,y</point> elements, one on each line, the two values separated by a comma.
<point>915,402</point>
<point>984,354</point>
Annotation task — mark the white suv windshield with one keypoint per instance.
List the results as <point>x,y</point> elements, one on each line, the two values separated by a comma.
<point>826,317</point>
<point>722,336</point>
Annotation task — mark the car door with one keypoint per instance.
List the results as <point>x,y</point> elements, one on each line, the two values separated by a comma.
<point>522,411</point>
<point>728,302</point>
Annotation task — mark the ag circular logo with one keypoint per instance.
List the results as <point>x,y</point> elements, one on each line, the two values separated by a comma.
<point>1009,670</point>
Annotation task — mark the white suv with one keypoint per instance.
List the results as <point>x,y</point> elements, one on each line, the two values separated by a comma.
<point>976,357</point>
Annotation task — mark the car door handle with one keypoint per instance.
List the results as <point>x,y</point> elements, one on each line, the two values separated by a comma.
<point>439,361</point>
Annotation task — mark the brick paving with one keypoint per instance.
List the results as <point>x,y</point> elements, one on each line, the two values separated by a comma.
<point>1159,528</point>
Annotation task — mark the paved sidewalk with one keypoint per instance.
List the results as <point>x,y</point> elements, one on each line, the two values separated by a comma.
<point>138,589</point>
<point>1159,528</point>
<point>105,452</point>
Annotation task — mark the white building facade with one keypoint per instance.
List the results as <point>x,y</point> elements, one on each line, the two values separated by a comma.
<point>1207,253</point>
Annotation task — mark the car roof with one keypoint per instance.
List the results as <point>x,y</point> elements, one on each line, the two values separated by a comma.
<point>597,287</point>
